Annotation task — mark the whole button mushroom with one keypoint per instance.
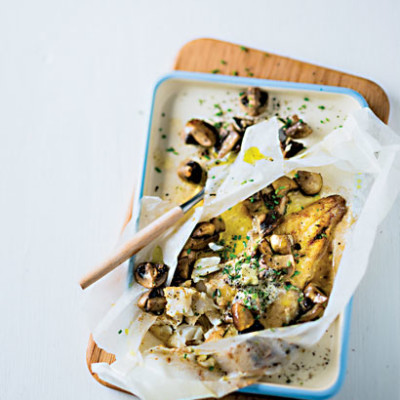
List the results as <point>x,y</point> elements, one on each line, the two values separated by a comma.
<point>190,171</point>
<point>200,133</point>
<point>151,275</point>
<point>152,301</point>
<point>253,101</point>
<point>310,183</point>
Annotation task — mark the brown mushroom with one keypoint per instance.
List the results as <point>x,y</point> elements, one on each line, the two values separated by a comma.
<point>152,301</point>
<point>312,314</point>
<point>183,268</point>
<point>297,128</point>
<point>283,185</point>
<point>253,101</point>
<point>310,183</point>
<point>264,248</point>
<point>219,224</point>
<point>281,244</point>
<point>203,229</point>
<point>229,143</point>
<point>199,132</point>
<point>151,275</point>
<point>291,148</point>
<point>242,317</point>
<point>242,123</point>
<point>191,171</point>
<point>315,294</point>
<point>201,243</point>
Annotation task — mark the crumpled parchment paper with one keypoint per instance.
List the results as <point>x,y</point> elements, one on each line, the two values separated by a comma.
<point>360,161</point>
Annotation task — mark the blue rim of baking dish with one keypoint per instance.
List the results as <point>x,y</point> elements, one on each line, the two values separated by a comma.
<point>264,388</point>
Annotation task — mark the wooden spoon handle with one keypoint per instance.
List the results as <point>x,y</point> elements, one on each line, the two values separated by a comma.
<point>132,246</point>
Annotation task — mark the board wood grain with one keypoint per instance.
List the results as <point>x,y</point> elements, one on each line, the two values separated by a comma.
<point>205,55</point>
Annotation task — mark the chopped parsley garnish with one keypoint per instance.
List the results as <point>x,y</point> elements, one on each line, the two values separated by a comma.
<point>306,99</point>
<point>215,71</point>
<point>295,273</point>
<point>172,150</point>
<point>235,73</point>
<point>321,107</point>
<point>158,170</point>
<point>223,62</point>
<point>120,331</point>
<point>243,48</point>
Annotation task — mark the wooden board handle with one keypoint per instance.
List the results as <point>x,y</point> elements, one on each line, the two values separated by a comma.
<point>132,246</point>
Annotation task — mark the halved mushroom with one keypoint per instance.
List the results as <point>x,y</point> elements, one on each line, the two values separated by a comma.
<point>297,128</point>
<point>291,148</point>
<point>151,275</point>
<point>191,171</point>
<point>152,301</point>
<point>310,182</point>
<point>199,132</point>
<point>281,244</point>
<point>253,101</point>
<point>312,314</point>
<point>203,229</point>
<point>242,317</point>
<point>315,294</point>
<point>283,185</point>
<point>229,143</point>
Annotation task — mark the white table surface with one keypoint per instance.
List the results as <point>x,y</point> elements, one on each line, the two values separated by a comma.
<point>75,84</point>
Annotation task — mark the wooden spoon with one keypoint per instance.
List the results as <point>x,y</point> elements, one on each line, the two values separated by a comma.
<point>140,240</point>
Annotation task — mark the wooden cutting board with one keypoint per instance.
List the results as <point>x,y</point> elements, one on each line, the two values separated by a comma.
<point>210,55</point>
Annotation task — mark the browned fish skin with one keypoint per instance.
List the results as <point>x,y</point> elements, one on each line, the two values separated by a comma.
<point>312,230</point>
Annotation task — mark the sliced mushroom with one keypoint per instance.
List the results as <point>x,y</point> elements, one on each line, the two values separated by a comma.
<point>310,182</point>
<point>312,314</point>
<point>219,224</point>
<point>291,148</point>
<point>283,185</point>
<point>242,317</point>
<point>315,294</point>
<point>200,132</point>
<point>152,301</point>
<point>253,101</point>
<point>203,229</point>
<point>281,244</point>
<point>297,128</point>
<point>229,143</point>
<point>151,275</point>
<point>190,171</point>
